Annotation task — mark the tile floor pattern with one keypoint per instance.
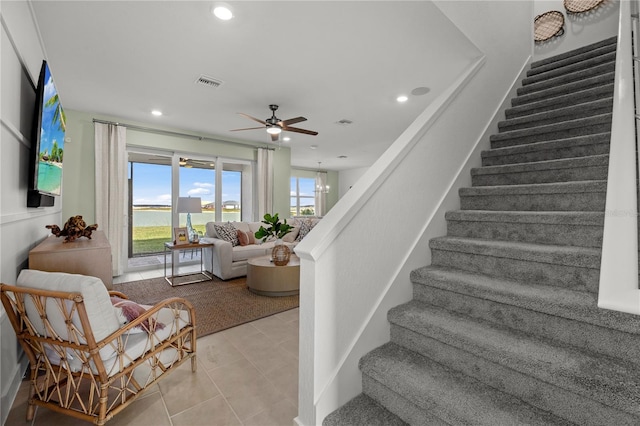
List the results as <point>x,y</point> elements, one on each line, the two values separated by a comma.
<point>247,375</point>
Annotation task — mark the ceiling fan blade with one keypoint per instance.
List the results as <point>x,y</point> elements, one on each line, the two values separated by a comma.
<point>298,130</point>
<point>292,121</point>
<point>252,118</point>
<point>248,128</point>
<point>274,138</point>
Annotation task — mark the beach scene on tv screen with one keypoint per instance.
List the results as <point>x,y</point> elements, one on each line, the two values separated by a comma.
<point>51,140</point>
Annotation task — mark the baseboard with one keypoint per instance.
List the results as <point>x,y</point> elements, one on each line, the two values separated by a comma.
<point>12,388</point>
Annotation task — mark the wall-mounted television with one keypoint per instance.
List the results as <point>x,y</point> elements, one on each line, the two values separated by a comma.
<point>47,149</point>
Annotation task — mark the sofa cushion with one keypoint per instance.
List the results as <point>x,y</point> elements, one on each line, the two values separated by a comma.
<point>100,312</point>
<point>250,251</point>
<point>228,233</point>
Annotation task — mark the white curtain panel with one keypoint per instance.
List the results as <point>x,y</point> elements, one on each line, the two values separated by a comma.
<point>265,181</point>
<point>111,189</point>
<point>321,196</point>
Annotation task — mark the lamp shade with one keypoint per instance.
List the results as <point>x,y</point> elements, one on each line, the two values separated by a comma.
<point>189,205</point>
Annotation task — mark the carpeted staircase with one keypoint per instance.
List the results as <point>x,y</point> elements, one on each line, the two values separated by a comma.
<point>504,328</point>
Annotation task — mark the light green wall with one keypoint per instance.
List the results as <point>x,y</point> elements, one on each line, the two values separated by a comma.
<point>79,169</point>
<point>332,181</point>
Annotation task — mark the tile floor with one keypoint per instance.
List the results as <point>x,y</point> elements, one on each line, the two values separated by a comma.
<point>247,375</point>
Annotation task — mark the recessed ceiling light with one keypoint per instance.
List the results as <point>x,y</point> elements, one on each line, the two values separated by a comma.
<point>313,147</point>
<point>402,98</point>
<point>222,12</point>
<point>419,91</point>
<point>286,139</point>
<point>342,156</point>
<point>156,112</point>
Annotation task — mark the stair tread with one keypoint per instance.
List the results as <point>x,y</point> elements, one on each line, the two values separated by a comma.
<point>362,410</point>
<point>585,109</point>
<point>550,128</point>
<point>547,145</point>
<point>588,48</point>
<point>604,379</point>
<point>564,89</point>
<point>538,81</point>
<point>574,305</point>
<point>600,57</point>
<point>550,104</point>
<point>578,58</point>
<point>449,395</point>
<point>582,257</point>
<point>537,188</point>
<point>555,164</point>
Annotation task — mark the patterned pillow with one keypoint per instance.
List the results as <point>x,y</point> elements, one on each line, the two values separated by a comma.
<point>227,232</point>
<point>305,226</point>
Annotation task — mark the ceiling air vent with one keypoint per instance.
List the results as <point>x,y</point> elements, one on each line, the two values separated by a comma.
<point>344,122</point>
<point>209,81</point>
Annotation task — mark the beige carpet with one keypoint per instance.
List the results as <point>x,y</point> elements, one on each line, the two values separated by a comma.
<point>219,304</point>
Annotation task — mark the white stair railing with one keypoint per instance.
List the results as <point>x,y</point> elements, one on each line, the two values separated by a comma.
<point>619,265</point>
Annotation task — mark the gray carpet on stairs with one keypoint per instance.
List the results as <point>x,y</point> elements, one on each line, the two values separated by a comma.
<point>504,327</point>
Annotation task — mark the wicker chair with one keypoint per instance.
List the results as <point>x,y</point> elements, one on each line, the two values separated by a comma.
<point>85,361</point>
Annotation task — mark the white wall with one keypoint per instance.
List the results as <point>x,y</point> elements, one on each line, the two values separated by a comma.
<point>580,29</point>
<point>348,178</point>
<point>344,299</point>
<point>21,228</point>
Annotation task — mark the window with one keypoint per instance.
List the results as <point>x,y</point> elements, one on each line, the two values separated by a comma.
<point>303,199</point>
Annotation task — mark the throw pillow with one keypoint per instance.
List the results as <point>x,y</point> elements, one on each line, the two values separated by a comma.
<point>251,237</point>
<point>243,238</point>
<point>228,233</point>
<point>127,311</point>
<point>291,236</point>
<point>305,226</point>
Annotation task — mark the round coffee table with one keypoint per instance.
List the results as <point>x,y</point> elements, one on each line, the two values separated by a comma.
<point>267,279</point>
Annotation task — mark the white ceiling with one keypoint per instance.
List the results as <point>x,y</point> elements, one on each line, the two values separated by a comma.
<point>324,60</point>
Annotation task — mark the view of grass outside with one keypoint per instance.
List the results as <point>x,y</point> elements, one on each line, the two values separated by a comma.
<point>151,239</point>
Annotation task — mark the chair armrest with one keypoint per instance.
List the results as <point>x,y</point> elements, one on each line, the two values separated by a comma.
<point>118,294</point>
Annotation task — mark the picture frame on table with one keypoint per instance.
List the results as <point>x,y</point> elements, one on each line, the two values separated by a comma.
<point>180,236</point>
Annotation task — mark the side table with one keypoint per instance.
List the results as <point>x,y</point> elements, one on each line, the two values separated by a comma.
<point>171,248</point>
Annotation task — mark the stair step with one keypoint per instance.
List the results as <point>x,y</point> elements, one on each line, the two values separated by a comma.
<point>362,410</point>
<point>581,60</point>
<point>584,49</point>
<point>572,128</point>
<point>563,196</point>
<point>517,363</point>
<point>572,112</point>
<point>582,229</point>
<point>579,146</point>
<point>562,101</point>
<point>575,268</point>
<point>553,313</point>
<point>542,81</point>
<point>440,394</point>
<point>565,89</point>
<point>594,167</point>
<point>567,73</point>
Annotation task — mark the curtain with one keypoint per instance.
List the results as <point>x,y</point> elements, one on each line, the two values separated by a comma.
<point>321,196</point>
<point>265,181</point>
<point>111,189</point>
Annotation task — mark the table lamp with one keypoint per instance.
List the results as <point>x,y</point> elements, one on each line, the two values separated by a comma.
<point>189,205</point>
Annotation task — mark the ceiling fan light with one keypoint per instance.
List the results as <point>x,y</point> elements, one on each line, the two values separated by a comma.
<point>274,130</point>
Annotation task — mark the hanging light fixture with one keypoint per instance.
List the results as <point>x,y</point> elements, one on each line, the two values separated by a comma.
<point>321,188</point>
<point>273,129</point>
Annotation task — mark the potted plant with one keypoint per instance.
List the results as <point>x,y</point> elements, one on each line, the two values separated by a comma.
<point>276,229</point>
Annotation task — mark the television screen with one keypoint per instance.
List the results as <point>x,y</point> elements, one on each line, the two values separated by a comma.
<point>49,131</point>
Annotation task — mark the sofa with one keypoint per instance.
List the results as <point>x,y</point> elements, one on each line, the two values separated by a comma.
<point>234,243</point>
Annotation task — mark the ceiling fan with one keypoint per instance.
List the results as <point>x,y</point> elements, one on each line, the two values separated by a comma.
<point>275,126</point>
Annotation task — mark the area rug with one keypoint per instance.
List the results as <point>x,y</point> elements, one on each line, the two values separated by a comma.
<point>219,304</point>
